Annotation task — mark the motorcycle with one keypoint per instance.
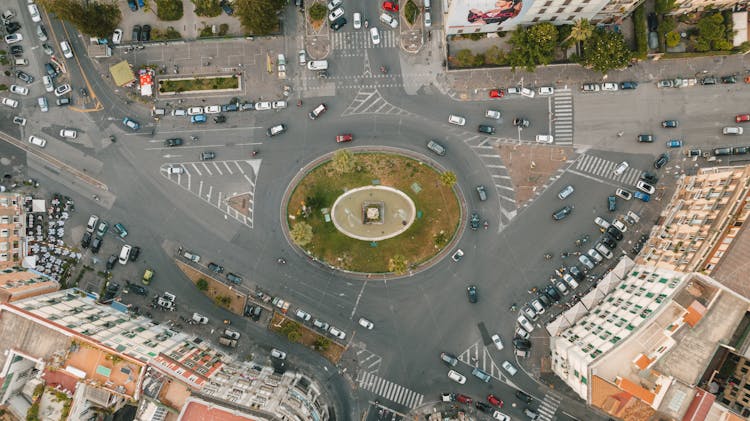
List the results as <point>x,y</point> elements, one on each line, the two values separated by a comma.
<point>547,256</point>
<point>366,24</point>
<point>281,261</point>
<point>383,70</point>
<point>299,103</point>
<point>254,152</point>
<point>486,224</point>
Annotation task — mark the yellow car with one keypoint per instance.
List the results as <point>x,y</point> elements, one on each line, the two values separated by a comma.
<point>147,275</point>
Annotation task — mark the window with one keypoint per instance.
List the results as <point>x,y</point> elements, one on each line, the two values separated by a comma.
<point>567,2</point>
<point>561,10</point>
<point>536,19</point>
<point>548,4</point>
<point>542,11</point>
<point>579,9</point>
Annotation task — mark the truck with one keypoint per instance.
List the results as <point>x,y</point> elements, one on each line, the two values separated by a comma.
<point>281,66</point>
<point>232,343</point>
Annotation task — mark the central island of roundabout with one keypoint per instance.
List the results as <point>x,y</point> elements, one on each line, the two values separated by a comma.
<point>386,211</point>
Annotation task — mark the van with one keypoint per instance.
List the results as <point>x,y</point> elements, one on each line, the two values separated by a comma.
<point>317,65</point>
<point>320,109</point>
<point>158,112</point>
<point>91,225</point>
<point>426,4</point>
<point>21,62</point>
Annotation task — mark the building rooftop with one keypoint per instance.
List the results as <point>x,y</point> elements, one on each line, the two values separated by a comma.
<point>200,410</point>
<point>732,268</point>
<point>17,283</point>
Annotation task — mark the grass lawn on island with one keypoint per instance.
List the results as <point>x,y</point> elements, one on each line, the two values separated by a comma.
<point>199,84</point>
<point>437,206</point>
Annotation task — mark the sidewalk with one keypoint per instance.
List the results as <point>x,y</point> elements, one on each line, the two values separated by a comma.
<point>472,85</point>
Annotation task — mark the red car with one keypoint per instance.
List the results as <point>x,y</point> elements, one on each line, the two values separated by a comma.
<point>497,93</point>
<point>742,118</point>
<point>463,398</point>
<point>390,6</point>
<point>495,401</point>
<point>344,138</point>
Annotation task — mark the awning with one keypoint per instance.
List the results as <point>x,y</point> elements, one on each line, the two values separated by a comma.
<point>121,73</point>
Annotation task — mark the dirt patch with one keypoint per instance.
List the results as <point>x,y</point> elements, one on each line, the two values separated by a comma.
<point>234,301</point>
<point>332,353</point>
<point>530,167</point>
<point>241,203</point>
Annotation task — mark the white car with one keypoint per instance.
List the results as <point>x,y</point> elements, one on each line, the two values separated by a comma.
<point>544,138</point>
<point>427,19</point>
<point>19,90</point>
<point>200,319</point>
<point>68,133</point>
<point>263,106</point>
<point>594,255</point>
<point>38,141</point>
<point>621,167</point>
<point>609,86</point>
<point>277,105</point>
<point>623,194</point>
<point>529,312</point>
<point>645,187</point>
<point>357,20</point>
<point>494,114</point>
<point>389,20</point>
<point>522,333</point>
<point>375,35</point>
<point>528,93</point>
<point>62,90</point>
<point>571,281</point>
<point>13,38</point>
<point>457,255</point>
<point>525,323</point>
<point>457,377</point>
<point>212,109</point>
<point>335,14</point>
<point>117,36</point>
<point>12,103</point>
<point>48,85</point>
<point>546,90</point>
<point>601,222</point>
<point>620,225</point>
<point>66,49</point>
<point>195,110</point>
<point>510,368</point>
<point>232,334</point>
<point>537,306</point>
<point>302,57</point>
<point>124,254</point>
<point>175,170</point>
<point>500,416</point>
<point>334,4</point>
<point>604,251</point>
<point>457,120</point>
<point>498,342</point>
<point>275,353</point>
<point>34,12</point>
<point>732,130</point>
<point>366,323</point>
<point>19,120</point>
<point>337,333</point>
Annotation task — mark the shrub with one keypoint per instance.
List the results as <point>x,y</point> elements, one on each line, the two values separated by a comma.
<point>476,36</point>
<point>317,12</point>
<point>165,34</point>
<point>223,29</point>
<point>464,58</point>
<point>494,55</point>
<point>202,284</point>
<point>641,32</point>
<point>673,39</point>
<point>169,9</point>
<point>208,8</point>
<point>411,12</point>
<point>206,32</point>
<point>479,60</point>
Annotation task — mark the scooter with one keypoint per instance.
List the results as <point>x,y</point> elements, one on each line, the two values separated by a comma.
<point>281,261</point>
<point>486,224</point>
<point>366,24</point>
<point>383,70</point>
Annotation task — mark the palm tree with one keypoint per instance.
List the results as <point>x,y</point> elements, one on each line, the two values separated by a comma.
<point>581,31</point>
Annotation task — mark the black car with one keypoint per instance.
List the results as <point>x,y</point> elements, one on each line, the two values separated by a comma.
<point>552,293</point>
<point>138,289</point>
<point>728,79</point>
<point>137,33</point>
<point>213,267</point>
<point>96,244</point>
<point>24,76</point>
<point>614,233</point>
<point>12,27</point>
<point>740,150</point>
<point>207,156</point>
<point>471,292</point>
<point>523,397</point>
<point>576,273</point>
<point>16,50</point>
<point>86,240</point>
<point>484,128</point>
<point>52,71</point>
<point>522,344</point>
<point>663,159</point>
<point>220,119</point>
<point>227,8</point>
<point>562,213</point>
<point>111,262</point>
<point>235,279</point>
<point>146,33</point>
<point>544,299</point>
<point>484,407</point>
<point>521,122</point>
<point>134,253</point>
<point>111,291</point>
<point>708,80</point>
<point>338,23</point>
<point>474,221</point>
<point>248,310</point>
<point>177,141</point>
<point>608,241</point>
<point>649,178</point>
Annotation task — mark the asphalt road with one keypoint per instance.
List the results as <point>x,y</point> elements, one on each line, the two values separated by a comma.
<point>415,317</point>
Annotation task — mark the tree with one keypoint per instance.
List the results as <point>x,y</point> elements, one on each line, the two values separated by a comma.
<point>202,284</point>
<point>223,300</point>
<point>397,264</point>
<point>169,9</point>
<point>448,178</point>
<point>495,55</point>
<point>667,24</point>
<point>89,17</point>
<point>533,46</point>
<point>711,33</point>
<point>663,6</point>
<point>301,233</point>
<point>606,50</point>
<point>322,343</point>
<point>343,161</point>
<point>581,30</point>
<point>464,58</point>
<point>317,12</point>
<point>207,8</point>
<point>259,17</point>
<point>440,239</point>
<point>673,39</point>
<point>291,330</point>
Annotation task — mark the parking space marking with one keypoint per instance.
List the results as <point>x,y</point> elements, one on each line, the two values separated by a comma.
<point>216,167</point>
<point>389,390</point>
<point>205,167</point>
<point>229,170</point>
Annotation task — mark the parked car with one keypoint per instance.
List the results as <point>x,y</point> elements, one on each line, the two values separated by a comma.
<point>623,194</point>
<point>661,160</point>
<point>562,213</point>
<point>457,120</point>
<point>645,138</point>
<point>674,143</point>
<point>670,124</point>
<point>732,130</point>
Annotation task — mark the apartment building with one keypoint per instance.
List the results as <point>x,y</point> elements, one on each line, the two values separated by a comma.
<point>12,230</point>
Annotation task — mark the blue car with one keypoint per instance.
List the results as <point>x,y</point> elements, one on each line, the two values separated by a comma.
<point>628,85</point>
<point>198,118</point>
<point>131,124</point>
<point>141,4</point>
<point>131,4</point>
<point>674,143</point>
<point>643,196</point>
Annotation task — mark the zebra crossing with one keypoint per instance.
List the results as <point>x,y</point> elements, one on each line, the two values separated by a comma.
<point>389,390</point>
<point>562,112</point>
<point>477,355</point>
<point>359,40</point>
<point>372,102</point>
<point>603,168</point>
<point>548,406</point>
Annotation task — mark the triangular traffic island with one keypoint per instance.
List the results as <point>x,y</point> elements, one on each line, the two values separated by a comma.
<point>533,167</point>
<point>241,203</point>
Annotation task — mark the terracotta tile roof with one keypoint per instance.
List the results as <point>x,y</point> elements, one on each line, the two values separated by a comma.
<point>60,378</point>
<point>694,313</point>
<point>636,390</point>
<point>643,361</point>
<point>700,406</point>
<point>618,403</point>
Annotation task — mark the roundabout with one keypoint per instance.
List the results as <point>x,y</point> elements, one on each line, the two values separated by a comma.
<point>386,212</point>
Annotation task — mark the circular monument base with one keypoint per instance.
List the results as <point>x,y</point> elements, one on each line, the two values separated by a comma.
<point>373,213</point>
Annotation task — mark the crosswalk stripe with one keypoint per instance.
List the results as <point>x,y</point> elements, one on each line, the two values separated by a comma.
<point>390,390</point>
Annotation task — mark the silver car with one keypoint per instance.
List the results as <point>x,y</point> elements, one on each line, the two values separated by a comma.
<point>586,261</point>
<point>565,192</point>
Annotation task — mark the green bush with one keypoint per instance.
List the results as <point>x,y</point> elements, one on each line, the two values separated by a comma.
<point>494,55</point>
<point>464,58</point>
<point>223,29</point>
<point>664,6</point>
<point>317,12</point>
<point>476,36</point>
<point>673,39</point>
<point>206,32</point>
<point>165,34</point>
<point>169,9</point>
<point>640,32</point>
<point>207,8</point>
<point>202,284</point>
<point>411,11</point>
